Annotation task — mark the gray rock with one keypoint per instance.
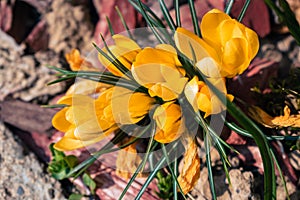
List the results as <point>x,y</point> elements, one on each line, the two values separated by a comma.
<point>21,174</point>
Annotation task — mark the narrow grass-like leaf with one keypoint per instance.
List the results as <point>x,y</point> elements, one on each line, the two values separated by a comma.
<point>117,62</point>
<point>280,174</point>
<point>194,18</point>
<point>259,138</point>
<point>243,132</point>
<point>154,17</point>
<point>167,15</point>
<point>150,144</point>
<point>141,9</point>
<point>111,30</point>
<point>228,7</point>
<point>135,174</point>
<point>124,22</point>
<point>157,167</point>
<point>286,16</point>
<point>226,170</point>
<point>106,149</point>
<point>243,11</point>
<point>209,167</point>
<point>55,106</point>
<point>175,167</point>
<point>177,13</point>
<point>171,170</point>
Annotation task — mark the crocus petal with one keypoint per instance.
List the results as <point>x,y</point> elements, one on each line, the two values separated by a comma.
<point>253,42</point>
<point>190,91</point>
<point>170,125</point>
<point>209,67</point>
<point>69,142</point>
<point>209,24</point>
<point>59,120</point>
<point>189,43</point>
<point>130,107</point>
<point>125,50</point>
<point>235,57</point>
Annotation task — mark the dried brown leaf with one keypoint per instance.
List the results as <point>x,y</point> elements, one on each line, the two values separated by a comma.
<point>190,172</point>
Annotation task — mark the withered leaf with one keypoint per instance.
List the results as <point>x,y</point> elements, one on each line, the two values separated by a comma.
<point>190,172</point>
<point>286,120</point>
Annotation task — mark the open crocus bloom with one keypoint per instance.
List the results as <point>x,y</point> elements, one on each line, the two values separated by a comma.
<point>228,42</point>
<point>169,121</point>
<point>124,49</point>
<point>158,69</point>
<point>85,122</point>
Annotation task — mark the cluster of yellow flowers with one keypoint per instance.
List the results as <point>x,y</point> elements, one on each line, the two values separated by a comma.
<point>225,50</point>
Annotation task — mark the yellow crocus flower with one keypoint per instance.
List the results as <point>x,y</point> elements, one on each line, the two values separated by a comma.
<point>85,122</point>
<point>169,122</point>
<point>231,44</point>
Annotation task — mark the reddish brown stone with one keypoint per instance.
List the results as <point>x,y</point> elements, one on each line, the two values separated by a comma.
<point>5,15</point>
<point>107,8</point>
<point>38,39</point>
<point>256,17</point>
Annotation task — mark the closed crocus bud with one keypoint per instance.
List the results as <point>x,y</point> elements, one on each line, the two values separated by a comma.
<point>169,122</point>
<point>236,43</point>
<point>231,44</point>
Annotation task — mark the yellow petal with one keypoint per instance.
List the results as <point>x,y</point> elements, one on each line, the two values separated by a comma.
<point>190,172</point>
<point>210,23</point>
<point>187,42</point>
<point>74,59</point>
<point>253,42</point>
<point>209,67</point>
<point>129,107</point>
<point>59,120</point>
<point>170,124</point>
<point>69,142</point>
<point>235,57</point>
<point>125,50</point>
<point>190,91</point>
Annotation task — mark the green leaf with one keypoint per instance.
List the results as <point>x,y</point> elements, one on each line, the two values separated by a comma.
<point>286,16</point>
<point>88,181</point>
<point>124,22</point>
<point>177,13</point>
<point>244,9</point>
<point>75,196</point>
<point>258,136</point>
<point>280,174</point>
<point>209,167</point>
<point>228,7</point>
<point>194,18</point>
<point>167,15</point>
<point>157,167</point>
<point>135,174</point>
<point>71,160</point>
<point>169,167</point>
<point>111,30</point>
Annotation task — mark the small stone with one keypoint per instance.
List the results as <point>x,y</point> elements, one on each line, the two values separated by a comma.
<point>20,191</point>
